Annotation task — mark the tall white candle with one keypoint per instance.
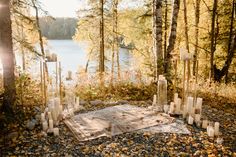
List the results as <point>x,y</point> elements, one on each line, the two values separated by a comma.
<point>50,124</point>
<point>210,131</point>
<point>217,128</point>
<point>56,131</point>
<point>42,117</point>
<point>166,108</point>
<point>197,118</point>
<point>185,111</point>
<point>45,126</point>
<point>204,124</point>
<point>53,111</point>
<point>176,98</point>
<point>190,120</point>
<point>172,107</point>
<point>154,103</point>
<point>178,105</point>
<point>49,115</point>
<point>199,104</point>
<point>190,105</point>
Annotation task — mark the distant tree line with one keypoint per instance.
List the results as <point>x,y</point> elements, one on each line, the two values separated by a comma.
<point>58,28</point>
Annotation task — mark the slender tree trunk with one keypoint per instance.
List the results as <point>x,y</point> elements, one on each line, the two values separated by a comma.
<point>166,26</point>
<point>186,26</point>
<point>7,57</point>
<point>45,68</point>
<point>213,38</point>
<point>172,36</point>
<point>102,56</point>
<point>157,35</point>
<point>115,38</point>
<point>187,45</point>
<point>197,17</point>
<point>230,35</point>
<point>38,29</point>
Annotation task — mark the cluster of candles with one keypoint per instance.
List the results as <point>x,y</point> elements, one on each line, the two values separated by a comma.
<point>49,117</point>
<point>192,111</point>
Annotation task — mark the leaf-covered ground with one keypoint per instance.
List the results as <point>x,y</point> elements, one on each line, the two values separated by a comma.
<point>19,141</point>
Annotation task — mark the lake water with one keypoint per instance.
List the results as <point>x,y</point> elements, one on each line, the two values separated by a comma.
<point>73,56</point>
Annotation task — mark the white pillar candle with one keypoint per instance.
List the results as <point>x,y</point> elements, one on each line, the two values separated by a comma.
<point>54,114</point>
<point>154,103</point>
<point>51,102</point>
<point>204,124</point>
<point>190,105</point>
<point>166,108</point>
<point>46,110</point>
<point>176,98</point>
<point>60,109</point>
<point>50,124</point>
<point>190,120</point>
<point>217,128</point>
<point>197,118</point>
<point>49,115</point>
<point>45,126</point>
<point>42,117</point>
<point>172,107</point>
<point>210,131</point>
<point>56,131</point>
<point>178,105</point>
<point>185,111</point>
<point>199,104</point>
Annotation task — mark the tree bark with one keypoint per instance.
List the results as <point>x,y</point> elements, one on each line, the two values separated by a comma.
<point>197,17</point>
<point>102,56</point>
<point>157,35</point>
<point>115,42</point>
<point>165,35</point>
<point>230,35</point>
<point>7,57</point>
<point>213,46</point>
<point>219,74</point>
<point>172,36</point>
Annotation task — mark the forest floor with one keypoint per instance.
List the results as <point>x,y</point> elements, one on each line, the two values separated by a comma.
<point>16,140</point>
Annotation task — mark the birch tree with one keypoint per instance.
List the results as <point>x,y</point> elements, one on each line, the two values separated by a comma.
<point>172,36</point>
<point>157,35</point>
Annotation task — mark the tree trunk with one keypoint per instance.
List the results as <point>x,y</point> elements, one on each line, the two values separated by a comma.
<point>157,35</point>
<point>219,74</point>
<point>115,42</point>
<point>172,36</point>
<point>102,56</point>
<point>230,36</point>
<point>197,17</point>
<point>7,58</point>
<point>38,29</point>
<point>213,46</point>
<point>165,35</point>
<point>186,26</point>
<point>187,46</point>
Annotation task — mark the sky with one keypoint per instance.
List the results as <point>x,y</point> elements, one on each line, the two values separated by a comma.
<point>68,8</point>
<point>62,8</point>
